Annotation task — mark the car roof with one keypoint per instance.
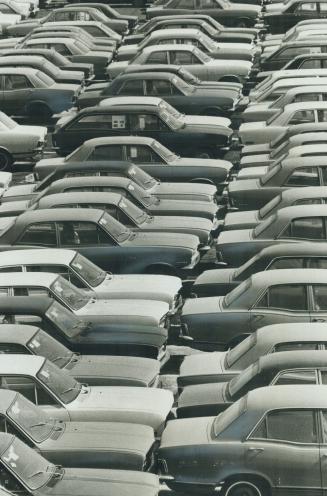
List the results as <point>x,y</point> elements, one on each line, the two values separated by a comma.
<point>73,214</point>
<point>306,248</point>
<point>18,70</point>
<point>308,89</point>
<point>309,135</point>
<point>17,333</point>
<point>295,80</point>
<point>37,256</point>
<point>320,148</point>
<point>305,161</point>
<point>289,276</point>
<point>305,105</point>
<point>53,39</point>
<point>182,33</point>
<point>294,396</point>
<point>21,364</point>
<point>146,75</point>
<point>100,165</point>
<point>44,279</point>
<point>144,140</point>
<point>132,100</point>
<point>168,46</point>
<point>92,180</point>
<point>293,332</point>
<point>296,43</point>
<point>292,359</point>
<point>298,211</point>
<point>79,196</point>
<point>302,193</point>
<point>21,58</point>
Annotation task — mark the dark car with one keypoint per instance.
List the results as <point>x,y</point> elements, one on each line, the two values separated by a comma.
<point>182,96</point>
<point>308,61</point>
<point>205,368</point>
<point>109,11</point>
<point>279,18</point>
<point>218,282</point>
<point>103,240</point>
<point>228,13</point>
<point>281,55</point>
<point>265,298</point>
<point>77,444</point>
<point>84,335</point>
<point>276,369</point>
<point>25,471</point>
<point>270,440</point>
<point>144,116</point>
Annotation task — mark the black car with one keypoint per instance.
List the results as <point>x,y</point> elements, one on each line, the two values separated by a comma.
<point>279,20</point>
<point>81,335</point>
<point>184,97</point>
<point>144,116</point>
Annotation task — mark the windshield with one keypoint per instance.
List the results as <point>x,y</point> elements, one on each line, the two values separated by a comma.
<point>62,385</point>
<point>72,297</point>
<point>237,383</point>
<point>237,292</point>
<point>44,345</point>
<point>274,116</point>
<point>170,115</point>
<point>65,320</point>
<point>83,47</point>
<point>182,86</point>
<point>71,155</point>
<point>241,349</point>
<point>46,80</point>
<point>224,419</point>
<point>280,138</point>
<point>137,192</point>
<point>201,55</point>
<point>114,228</point>
<point>264,225</point>
<point>133,212</point>
<point>141,177</point>
<point>31,419</point>
<point>268,207</point>
<point>163,151</point>
<point>34,470</point>
<point>90,272</point>
<point>280,150</point>
<point>245,266</point>
<point>7,121</point>
<point>271,173</point>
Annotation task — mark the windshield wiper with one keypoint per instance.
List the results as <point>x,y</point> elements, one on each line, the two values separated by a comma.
<point>68,390</point>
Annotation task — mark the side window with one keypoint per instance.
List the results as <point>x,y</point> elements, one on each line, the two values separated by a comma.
<point>317,263</point>
<point>31,291</point>
<point>28,388</point>
<point>100,121</point>
<point>307,97</point>
<point>157,58</point>
<point>16,82</point>
<point>287,263</point>
<point>107,152</point>
<point>60,48</point>
<point>304,176</point>
<point>306,228</point>
<point>82,234</point>
<point>311,64</point>
<point>13,268</point>
<point>208,4</point>
<point>17,349</point>
<point>158,87</point>
<point>322,115</point>
<point>285,297</point>
<point>308,201</point>
<point>185,4</point>
<point>182,58</point>
<point>296,426</point>
<point>290,377</point>
<point>294,346</point>
<point>308,7</point>
<point>146,122</point>
<point>142,154</point>
<point>57,269</point>
<point>319,297</point>
<point>133,87</point>
<point>302,117</point>
<point>43,234</point>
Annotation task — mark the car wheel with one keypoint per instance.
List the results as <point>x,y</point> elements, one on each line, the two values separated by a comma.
<point>6,161</point>
<point>243,488</point>
<point>39,112</point>
<point>242,23</point>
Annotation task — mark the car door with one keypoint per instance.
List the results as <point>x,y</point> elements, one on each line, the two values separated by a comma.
<point>318,297</point>
<point>281,303</point>
<point>153,126</point>
<point>306,229</point>
<point>285,447</point>
<point>17,89</point>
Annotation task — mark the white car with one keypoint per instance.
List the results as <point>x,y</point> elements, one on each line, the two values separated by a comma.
<point>19,142</point>
<point>88,276</point>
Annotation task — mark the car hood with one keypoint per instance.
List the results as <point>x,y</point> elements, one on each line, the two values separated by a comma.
<point>239,218</point>
<point>103,482</point>
<point>165,240</point>
<point>116,367</point>
<point>244,7</point>
<point>187,432</point>
<point>56,161</point>
<point>202,162</point>
<point>203,394</point>
<point>104,436</point>
<point>243,185</point>
<point>215,276</point>
<point>153,287</point>
<point>122,310</point>
<point>257,107</point>
<point>252,172</point>
<point>203,364</point>
<point>260,158</point>
<point>252,126</point>
<point>39,131</point>
<point>13,207</point>
<point>184,188</point>
<point>19,190</point>
<point>198,306</point>
<point>237,236</point>
<point>274,7</point>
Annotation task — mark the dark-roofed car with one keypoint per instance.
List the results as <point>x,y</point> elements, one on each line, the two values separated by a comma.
<point>276,369</point>
<point>84,274</point>
<point>218,282</point>
<point>204,368</point>
<point>144,116</point>
<point>26,471</point>
<point>284,295</point>
<point>95,370</point>
<point>45,384</point>
<point>184,97</point>
<point>277,58</point>
<point>282,16</point>
<point>84,335</point>
<point>148,154</point>
<point>269,440</point>
<point>103,240</point>
<point>76,444</point>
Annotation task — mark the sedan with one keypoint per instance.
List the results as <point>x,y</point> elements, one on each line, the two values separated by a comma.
<point>45,384</point>
<point>282,16</point>
<point>276,369</point>
<point>26,469</point>
<point>213,367</point>
<point>262,435</point>
<point>263,299</point>
<point>76,444</point>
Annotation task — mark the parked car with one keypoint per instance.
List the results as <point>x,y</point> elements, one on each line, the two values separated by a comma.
<point>182,96</point>
<point>9,20</point>
<point>19,8</point>
<point>218,282</point>
<point>94,370</point>
<point>204,368</point>
<point>264,298</point>
<point>104,241</point>
<point>192,58</point>
<point>292,114</point>
<point>252,194</point>
<point>276,369</point>
<point>149,155</point>
<point>261,435</point>
<point>111,445</point>
<point>34,475</point>
<point>228,13</point>
<point>110,12</point>
<point>87,276</point>
<point>144,116</point>
<point>95,29</point>
<point>307,61</point>
<point>277,58</point>
<point>83,335</point>
<point>64,397</point>
<point>280,17</point>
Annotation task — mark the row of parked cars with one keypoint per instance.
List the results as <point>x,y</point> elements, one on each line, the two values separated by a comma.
<point>188,159</point>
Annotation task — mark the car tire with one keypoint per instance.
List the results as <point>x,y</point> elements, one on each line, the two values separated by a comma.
<point>6,161</point>
<point>39,112</point>
<point>243,488</point>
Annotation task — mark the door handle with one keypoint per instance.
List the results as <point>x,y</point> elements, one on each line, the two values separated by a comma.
<point>258,450</point>
<point>318,320</point>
